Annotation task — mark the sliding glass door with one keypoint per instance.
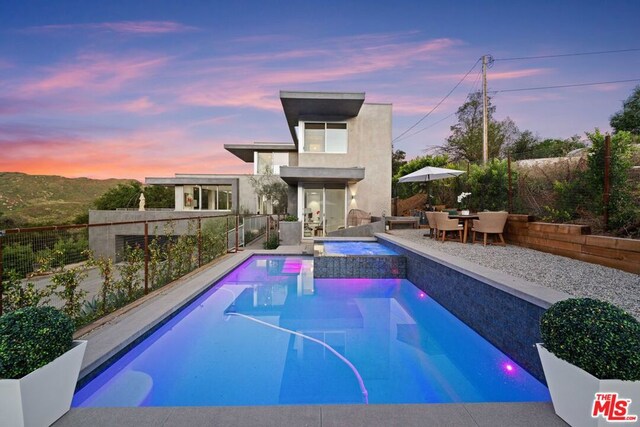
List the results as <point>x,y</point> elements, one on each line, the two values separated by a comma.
<point>323,209</point>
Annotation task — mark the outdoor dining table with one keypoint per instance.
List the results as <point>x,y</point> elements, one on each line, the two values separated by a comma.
<point>465,220</point>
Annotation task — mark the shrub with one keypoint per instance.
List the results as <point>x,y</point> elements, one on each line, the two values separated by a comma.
<point>291,218</point>
<point>594,335</point>
<point>32,337</point>
<point>273,242</point>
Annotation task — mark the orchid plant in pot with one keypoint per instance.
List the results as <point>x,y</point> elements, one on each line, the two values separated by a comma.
<point>591,361</point>
<point>462,204</point>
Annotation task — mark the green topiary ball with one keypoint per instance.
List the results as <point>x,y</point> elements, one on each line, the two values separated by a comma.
<point>32,337</point>
<point>594,335</point>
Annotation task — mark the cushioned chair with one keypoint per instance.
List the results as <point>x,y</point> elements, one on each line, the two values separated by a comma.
<point>490,223</point>
<point>357,217</point>
<point>444,224</point>
<point>431,223</point>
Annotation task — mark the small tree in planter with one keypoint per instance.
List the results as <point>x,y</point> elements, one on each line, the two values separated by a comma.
<point>590,347</point>
<point>39,365</point>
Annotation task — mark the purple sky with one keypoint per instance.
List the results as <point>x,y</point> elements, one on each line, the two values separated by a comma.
<point>133,89</point>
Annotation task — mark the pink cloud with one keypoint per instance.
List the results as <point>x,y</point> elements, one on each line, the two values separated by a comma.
<point>141,105</point>
<point>516,74</point>
<point>225,83</point>
<point>127,27</point>
<point>95,72</point>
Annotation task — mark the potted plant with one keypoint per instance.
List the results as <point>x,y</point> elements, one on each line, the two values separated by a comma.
<point>462,205</point>
<point>290,230</point>
<point>39,365</point>
<point>591,361</point>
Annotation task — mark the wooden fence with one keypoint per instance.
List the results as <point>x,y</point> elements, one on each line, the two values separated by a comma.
<point>574,241</point>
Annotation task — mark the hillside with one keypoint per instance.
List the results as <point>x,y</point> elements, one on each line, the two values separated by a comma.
<point>48,199</point>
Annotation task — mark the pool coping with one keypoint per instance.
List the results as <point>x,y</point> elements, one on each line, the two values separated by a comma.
<point>108,340</point>
<point>531,292</point>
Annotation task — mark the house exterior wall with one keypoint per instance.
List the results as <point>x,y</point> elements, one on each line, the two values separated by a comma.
<point>369,146</point>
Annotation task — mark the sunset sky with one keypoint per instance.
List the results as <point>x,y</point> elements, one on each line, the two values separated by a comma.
<point>129,89</point>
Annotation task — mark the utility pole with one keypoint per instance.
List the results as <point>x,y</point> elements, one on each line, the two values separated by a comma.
<point>485,113</point>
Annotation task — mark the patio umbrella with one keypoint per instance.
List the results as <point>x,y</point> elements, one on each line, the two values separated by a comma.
<point>430,173</point>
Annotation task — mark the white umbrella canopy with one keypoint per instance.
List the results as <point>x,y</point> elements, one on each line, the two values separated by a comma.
<point>430,173</point>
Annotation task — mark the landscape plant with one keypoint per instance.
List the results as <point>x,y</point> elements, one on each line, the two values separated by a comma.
<point>130,270</point>
<point>18,293</point>
<point>624,210</point>
<point>595,336</point>
<point>31,337</point>
<point>67,287</point>
<point>105,269</point>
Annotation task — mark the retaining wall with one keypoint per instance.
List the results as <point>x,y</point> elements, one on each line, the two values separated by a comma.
<point>573,241</point>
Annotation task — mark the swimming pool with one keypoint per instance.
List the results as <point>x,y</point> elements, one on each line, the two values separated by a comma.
<point>269,334</point>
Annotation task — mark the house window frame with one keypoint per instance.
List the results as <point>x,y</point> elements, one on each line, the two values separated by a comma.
<point>301,136</point>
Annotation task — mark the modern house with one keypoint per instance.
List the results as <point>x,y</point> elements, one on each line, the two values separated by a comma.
<point>339,159</point>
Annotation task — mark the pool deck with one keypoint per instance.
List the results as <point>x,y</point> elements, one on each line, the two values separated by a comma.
<point>121,330</point>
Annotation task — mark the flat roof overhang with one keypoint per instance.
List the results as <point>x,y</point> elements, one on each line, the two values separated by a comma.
<point>332,106</point>
<point>294,175</point>
<point>245,151</point>
<point>187,180</point>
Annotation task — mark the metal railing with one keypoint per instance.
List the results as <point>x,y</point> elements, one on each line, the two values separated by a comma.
<point>89,270</point>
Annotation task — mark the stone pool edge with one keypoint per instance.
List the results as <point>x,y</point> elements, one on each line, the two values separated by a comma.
<point>493,303</point>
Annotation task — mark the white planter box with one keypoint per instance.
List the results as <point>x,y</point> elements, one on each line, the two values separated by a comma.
<point>573,391</point>
<point>44,395</point>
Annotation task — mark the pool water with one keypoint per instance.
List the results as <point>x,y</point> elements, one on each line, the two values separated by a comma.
<point>356,248</point>
<point>269,334</point>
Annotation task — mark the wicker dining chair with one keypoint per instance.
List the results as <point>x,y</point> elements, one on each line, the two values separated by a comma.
<point>444,224</point>
<point>490,223</point>
<point>431,223</point>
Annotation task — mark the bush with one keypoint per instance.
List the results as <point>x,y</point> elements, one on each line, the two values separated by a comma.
<point>594,335</point>
<point>291,218</point>
<point>273,242</point>
<point>32,337</point>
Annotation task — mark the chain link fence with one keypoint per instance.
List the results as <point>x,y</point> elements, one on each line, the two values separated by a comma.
<point>89,271</point>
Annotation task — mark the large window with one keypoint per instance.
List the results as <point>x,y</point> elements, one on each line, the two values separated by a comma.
<point>325,138</point>
<point>271,161</point>
<point>208,197</point>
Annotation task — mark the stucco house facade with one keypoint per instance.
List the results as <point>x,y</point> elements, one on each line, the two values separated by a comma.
<point>339,158</point>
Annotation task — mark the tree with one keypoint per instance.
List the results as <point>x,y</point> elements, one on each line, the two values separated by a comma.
<point>270,189</point>
<point>628,119</point>
<point>465,141</point>
<point>121,196</point>
<point>624,211</point>
<point>157,196</point>
<point>397,160</point>
<point>528,146</point>
<point>128,196</point>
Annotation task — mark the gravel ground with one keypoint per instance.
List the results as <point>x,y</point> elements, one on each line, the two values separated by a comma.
<point>577,278</point>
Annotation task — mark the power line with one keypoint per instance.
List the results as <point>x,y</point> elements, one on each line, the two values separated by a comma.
<point>474,89</point>
<point>568,54</point>
<point>438,104</point>
<point>563,86</point>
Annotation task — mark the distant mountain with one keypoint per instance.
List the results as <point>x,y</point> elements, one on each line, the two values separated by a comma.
<point>32,200</point>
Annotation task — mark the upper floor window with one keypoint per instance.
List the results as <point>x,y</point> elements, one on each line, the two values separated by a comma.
<point>325,138</point>
<point>271,162</point>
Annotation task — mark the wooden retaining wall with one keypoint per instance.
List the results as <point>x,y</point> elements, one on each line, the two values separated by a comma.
<point>574,241</point>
